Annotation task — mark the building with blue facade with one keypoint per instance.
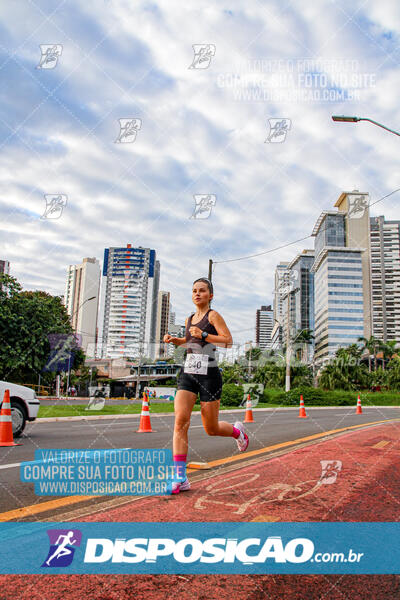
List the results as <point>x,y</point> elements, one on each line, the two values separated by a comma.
<point>342,276</point>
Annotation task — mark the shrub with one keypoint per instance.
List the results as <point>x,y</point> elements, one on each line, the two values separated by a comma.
<point>317,397</point>
<point>232,394</point>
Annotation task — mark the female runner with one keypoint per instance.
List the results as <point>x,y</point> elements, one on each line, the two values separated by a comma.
<point>200,375</point>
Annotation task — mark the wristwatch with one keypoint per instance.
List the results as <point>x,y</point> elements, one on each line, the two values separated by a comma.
<point>204,334</point>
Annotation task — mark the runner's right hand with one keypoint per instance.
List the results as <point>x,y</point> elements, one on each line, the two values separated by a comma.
<point>167,338</point>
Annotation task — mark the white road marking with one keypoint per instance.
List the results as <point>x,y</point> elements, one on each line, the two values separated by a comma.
<point>10,465</point>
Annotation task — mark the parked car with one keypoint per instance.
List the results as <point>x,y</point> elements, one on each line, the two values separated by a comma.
<point>24,405</point>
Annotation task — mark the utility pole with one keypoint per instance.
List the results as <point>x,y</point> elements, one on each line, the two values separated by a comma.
<point>287,378</point>
<point>69,368</point>
<point>251,348</point>
<point>288,342</point>
<point>71,317</point>
<point>210,263</point>
<point>138,372</point>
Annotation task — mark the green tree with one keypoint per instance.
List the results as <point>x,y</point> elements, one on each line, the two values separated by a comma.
<point>272,374</point>
<point>388,349</point>
<point>253,353</point>
<point>372,345</point>
<point>301,375</point>
<point>26,320</point>
<point>303,338</point>
<point>231,373</point>
<point>345,371</point>
<point>379,377</point>
<point>393,373</point>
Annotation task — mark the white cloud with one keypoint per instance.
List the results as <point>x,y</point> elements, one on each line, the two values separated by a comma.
<point>131,60</point>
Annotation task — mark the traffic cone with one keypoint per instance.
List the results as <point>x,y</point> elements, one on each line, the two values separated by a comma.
<point>145,425</point>
<point>6,433</point>
<point>359,409</point>
<point>248,418</point>
<point>302,412</point>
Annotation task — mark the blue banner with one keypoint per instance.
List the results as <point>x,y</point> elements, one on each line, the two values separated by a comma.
<point>115,472</point>
<point>187,547</point>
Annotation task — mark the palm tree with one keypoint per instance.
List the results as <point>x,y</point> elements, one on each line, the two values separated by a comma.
<point>332,377</point>
<point>372,345</point>
<point>231,373</point>
<point>393,373</point>
<point>253,354</point>
<point>304,337</point>
<point>272,374</point>
<point>388,349</point>
<point>252,357</point>
<point>345,371</point>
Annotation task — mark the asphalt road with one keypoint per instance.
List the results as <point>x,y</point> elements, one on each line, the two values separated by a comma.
<point>270,427</point>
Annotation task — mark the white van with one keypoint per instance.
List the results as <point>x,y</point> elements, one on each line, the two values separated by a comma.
<point>24,405</point>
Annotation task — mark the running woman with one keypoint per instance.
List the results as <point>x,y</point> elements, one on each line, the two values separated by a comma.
<point>200,375</point>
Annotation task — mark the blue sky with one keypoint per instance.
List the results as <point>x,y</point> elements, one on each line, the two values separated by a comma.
<point>202,131</point>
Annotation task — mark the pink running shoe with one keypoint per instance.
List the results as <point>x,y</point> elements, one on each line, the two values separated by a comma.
<point>242,441</point>
<point>180,486</point>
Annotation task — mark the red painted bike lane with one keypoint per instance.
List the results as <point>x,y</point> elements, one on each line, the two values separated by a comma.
<point>342,479</point>
<point>352,477</point>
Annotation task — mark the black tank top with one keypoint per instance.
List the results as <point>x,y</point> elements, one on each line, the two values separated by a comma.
<point>200,346</point>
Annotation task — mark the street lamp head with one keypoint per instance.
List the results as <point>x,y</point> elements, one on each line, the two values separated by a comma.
<point>355,119</point>
<point>344,119</point>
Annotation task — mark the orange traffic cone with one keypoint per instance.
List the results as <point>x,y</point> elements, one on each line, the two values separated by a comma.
<point>6,433</point>
<point>302,412</point>
<point>359,409</point>
<point>248,418</point>
<point>145,425</point>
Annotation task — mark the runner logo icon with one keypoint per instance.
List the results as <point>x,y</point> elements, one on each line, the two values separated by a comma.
<point>62,550</point>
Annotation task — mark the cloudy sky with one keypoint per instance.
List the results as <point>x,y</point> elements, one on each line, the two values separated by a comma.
<point>199,130</point>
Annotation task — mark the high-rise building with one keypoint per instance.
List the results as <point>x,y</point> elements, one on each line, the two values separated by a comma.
<point>264,326</point>
<point>385,278</point>
<point>162,322</point>
<point>4,267</point>
<point>298,293</point>
<point>81,300</point>
<point>175,331</point>
<point>280,284</point>
<point>342,275</point>
<point>129,302</point>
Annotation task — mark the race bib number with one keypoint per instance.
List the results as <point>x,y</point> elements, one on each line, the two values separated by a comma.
<point>196,364</point>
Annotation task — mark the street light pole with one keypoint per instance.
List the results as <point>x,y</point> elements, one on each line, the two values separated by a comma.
<point>69,366</point>
<point>343,119</point>
<point>288,341</point>
<point>138,373</point>
<point>249,349</point>
<point>288,349</point>
<point>69,354</point>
